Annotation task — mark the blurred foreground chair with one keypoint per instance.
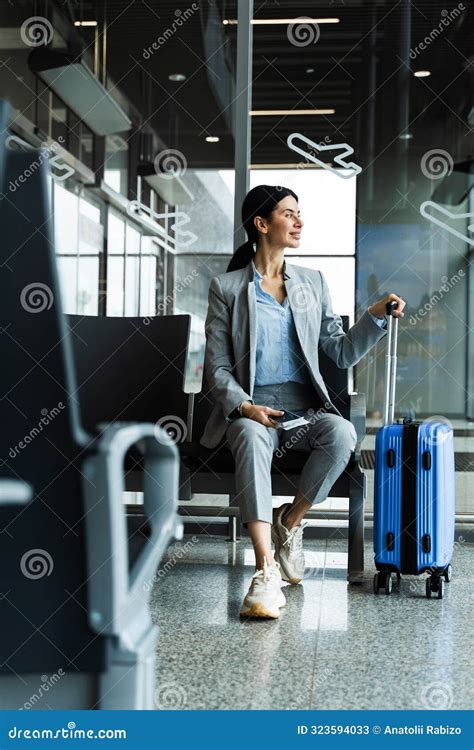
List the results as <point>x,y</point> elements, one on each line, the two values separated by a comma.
<point>74,600</point>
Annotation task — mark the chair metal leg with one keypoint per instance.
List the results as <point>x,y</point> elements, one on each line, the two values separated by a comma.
<point>355,567</point>
<point>235,525</point>
<point>185,489</point>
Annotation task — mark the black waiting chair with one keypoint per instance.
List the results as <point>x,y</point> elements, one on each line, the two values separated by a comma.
<point>73,599</point>
<point>132,369</point>
<point>107,352</point>
<point>213,471</point>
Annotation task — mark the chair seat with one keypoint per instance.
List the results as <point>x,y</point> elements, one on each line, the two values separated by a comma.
<point>220,460</point>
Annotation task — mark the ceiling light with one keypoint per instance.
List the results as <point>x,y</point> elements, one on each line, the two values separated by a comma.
<point>168,185</point>
<point>77,86</point>
<point>85,23</point>
<point>422,73</point>
<point>212,138</point>
<point>310,70</point>
<point>275,112</point>
<point>281,21</point>
<point>177,77</point>
<point>405,136</point>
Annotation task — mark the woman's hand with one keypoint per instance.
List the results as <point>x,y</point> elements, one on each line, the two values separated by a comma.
<point>379,309</point>
<point>260,414</point>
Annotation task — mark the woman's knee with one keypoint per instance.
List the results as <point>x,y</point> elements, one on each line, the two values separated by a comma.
<point>248,431</point>
<point>345,435</point>
<point>339,435</point>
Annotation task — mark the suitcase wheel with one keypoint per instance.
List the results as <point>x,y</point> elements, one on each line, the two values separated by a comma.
<point>435,585</point>
<point>428,588</point>
<point>383,581</point>
<point>448,574</point>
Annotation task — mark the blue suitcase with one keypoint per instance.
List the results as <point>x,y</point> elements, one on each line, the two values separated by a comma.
<point>414,492</point>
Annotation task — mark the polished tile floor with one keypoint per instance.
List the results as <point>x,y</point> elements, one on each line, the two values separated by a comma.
<point>334,647</point>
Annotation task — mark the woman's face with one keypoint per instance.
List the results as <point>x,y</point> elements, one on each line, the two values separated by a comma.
<point>283,228</point>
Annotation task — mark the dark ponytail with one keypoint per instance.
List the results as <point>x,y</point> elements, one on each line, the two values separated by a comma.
<point>260,201</point>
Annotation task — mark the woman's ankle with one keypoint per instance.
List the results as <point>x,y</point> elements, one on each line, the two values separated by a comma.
<point>260,561</point>
<point>288,519</point>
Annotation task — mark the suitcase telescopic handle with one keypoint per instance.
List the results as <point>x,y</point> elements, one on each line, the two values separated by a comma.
<point>390,364</point>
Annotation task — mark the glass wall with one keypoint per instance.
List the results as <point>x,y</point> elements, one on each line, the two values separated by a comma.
<point>374,132</point>
<point>430,272</point>
<point>210,211</point>
<point>79,245</point>
<point>396,219</point>
<point>328,210</point>
<point>134,269</point>
<point>116,163</point>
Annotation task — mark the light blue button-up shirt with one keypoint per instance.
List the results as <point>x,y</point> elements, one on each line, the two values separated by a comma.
<point>279,357</point>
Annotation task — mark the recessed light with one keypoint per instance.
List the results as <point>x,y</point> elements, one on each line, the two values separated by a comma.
<point>85,23</point>
<point>422,73</point>
<point>212,138</point>
<point>310,70</point>
<point>276,112</point>
<point>178,77</point>
<point>281,21</point>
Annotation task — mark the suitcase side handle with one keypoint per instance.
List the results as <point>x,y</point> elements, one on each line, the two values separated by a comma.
<point>390,364</point>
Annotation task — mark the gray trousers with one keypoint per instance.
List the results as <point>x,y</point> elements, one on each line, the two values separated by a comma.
<point>328,439</point>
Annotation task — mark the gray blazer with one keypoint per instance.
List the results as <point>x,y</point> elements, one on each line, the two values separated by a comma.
<point>229,363</point>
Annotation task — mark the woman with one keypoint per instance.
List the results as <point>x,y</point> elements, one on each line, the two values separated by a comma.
<point>265,322</point>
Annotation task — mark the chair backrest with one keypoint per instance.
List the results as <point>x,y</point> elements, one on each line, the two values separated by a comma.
<point>336,379</point>
<point>42,558</point>
<point>131,369</point>
<point>4,122</point>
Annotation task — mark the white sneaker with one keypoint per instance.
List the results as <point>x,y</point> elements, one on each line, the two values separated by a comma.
<point>288,547</point>
<point>264,597</point>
